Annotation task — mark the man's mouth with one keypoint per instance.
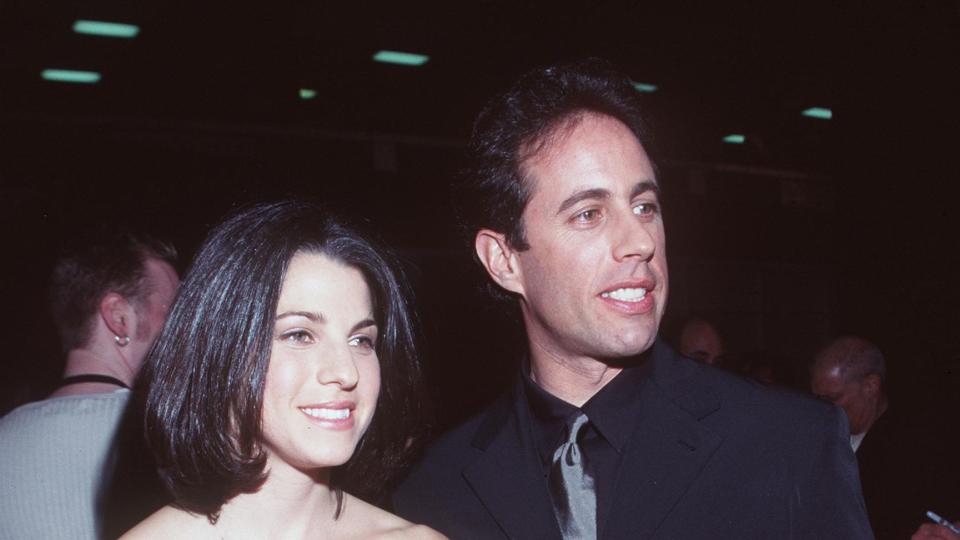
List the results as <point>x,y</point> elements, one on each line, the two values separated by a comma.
<point>626,294</point>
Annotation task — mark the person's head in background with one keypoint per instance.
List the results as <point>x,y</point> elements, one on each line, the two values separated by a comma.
<point>290,347</point>
<point>850,372</point>
<point>109,296</point>
<point>701,341</point>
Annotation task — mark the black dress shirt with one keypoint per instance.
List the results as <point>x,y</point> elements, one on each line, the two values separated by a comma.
<point>612,412</point>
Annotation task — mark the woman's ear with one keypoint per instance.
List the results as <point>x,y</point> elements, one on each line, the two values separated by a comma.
<point>500,260</point>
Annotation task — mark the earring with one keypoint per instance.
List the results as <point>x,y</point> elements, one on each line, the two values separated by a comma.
<point>122,341</point>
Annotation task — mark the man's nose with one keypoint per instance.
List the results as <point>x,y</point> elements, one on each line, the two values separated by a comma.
<point>338,367</point>
<point>633,238</point>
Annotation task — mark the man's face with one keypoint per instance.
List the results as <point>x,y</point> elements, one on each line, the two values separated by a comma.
<point>854,396</point>
<point>594,280</point>
<point>161,282</point>
<point>701,342</point>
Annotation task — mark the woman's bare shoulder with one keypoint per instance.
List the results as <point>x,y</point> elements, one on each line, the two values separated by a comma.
<point>170,522</point>
<point>380,524</point>
<point>418,532</point>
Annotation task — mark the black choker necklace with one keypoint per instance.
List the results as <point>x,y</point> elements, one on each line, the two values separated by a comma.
<point>90,377</point>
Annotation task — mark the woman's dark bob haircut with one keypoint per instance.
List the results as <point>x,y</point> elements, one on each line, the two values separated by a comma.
<point>205,373</point>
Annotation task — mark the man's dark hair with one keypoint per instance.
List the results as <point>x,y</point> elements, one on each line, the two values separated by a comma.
<point>97,263</point>
<point>206,371</point>
<point>492,191</point>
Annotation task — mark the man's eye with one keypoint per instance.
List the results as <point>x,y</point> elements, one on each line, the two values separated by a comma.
<point>645,209</point>
<point>587,216</point>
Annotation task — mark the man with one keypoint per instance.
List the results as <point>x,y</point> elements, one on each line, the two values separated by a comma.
<point>608,433</point>
<point>109,300</point>
<point>904,470</point>
<point>701,341</point>
<point>849,372</point>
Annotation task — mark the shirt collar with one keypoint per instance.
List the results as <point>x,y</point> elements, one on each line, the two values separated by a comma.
<point>549,414</point>
<point>616,407</point>
<point>612,411</point>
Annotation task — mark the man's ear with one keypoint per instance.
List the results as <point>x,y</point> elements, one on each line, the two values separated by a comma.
<point>500,260</point>
<point>872,384</point>
<point>116,313</point>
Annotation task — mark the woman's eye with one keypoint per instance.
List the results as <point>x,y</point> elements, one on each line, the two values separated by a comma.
<point>300,337</point>
<point>363,342</point>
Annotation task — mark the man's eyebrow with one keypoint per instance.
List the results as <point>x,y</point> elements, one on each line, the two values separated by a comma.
<point>595,193</point>
<point>312,315</point>
<point>645,186</point>
<point>600,193</point>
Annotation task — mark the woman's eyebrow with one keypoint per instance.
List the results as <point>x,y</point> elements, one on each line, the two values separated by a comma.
<point>312,315</point>
<point>364,324</point>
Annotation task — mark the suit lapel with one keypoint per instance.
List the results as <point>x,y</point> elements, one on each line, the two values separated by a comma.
<point>668,449</point>
<point>507,477</point>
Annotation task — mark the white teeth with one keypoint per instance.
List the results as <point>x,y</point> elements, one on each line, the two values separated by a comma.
<point>328,414</point>
<point>626,294</point>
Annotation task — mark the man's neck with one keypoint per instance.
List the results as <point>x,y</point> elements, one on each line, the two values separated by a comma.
<point>574,380</point>
<point>88,362</point>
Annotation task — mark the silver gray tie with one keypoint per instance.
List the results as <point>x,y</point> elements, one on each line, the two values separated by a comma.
<point>572,486</point>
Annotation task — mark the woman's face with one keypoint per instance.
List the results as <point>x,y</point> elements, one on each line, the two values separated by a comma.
<point>324,377</point>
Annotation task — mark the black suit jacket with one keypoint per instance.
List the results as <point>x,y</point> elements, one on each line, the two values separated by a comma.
<point>906,469</point>
<point>711,456</point>
<point>888,463</point>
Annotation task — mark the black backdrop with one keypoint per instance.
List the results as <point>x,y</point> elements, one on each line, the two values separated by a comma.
<point>808,230</point>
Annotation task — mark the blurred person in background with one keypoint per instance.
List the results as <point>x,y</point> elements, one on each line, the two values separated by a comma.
<point>906,468</point>
<point>700,341</point>
<point>109,297</point>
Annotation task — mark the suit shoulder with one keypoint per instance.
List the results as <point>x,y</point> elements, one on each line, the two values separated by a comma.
<point>701,390</point>
<point>762,408</point>
<point>747,392</point>
<point>452,448</point>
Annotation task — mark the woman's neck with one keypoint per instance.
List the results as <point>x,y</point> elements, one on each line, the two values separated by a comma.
<point>290,504</point>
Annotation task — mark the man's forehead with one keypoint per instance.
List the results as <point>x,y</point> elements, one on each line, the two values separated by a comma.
<point>563,150</point>
<point>564,136</point>
<point>829,378</point>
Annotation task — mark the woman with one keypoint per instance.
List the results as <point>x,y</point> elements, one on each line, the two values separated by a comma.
<point>286,372</point>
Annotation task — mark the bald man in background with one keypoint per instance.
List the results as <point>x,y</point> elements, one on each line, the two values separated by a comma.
<point>850,372</point>
<point>899,458</point>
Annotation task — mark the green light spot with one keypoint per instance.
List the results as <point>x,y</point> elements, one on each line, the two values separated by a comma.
<point>645,88</point>
<point>69,75</point>
<point>402,58</point>
<point>107,29</point>
<point>735,138</point>
<point>307,93</point>
<point>818,112</point>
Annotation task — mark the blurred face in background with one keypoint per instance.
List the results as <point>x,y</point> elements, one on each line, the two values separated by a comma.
<point>160,286</point>
<point>859,398</point>
<point>699,340</point>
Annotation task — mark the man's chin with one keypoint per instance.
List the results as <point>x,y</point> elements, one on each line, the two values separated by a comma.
<point>629,352</point>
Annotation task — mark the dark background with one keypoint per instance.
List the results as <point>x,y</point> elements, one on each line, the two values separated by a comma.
<point>810,229</point>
